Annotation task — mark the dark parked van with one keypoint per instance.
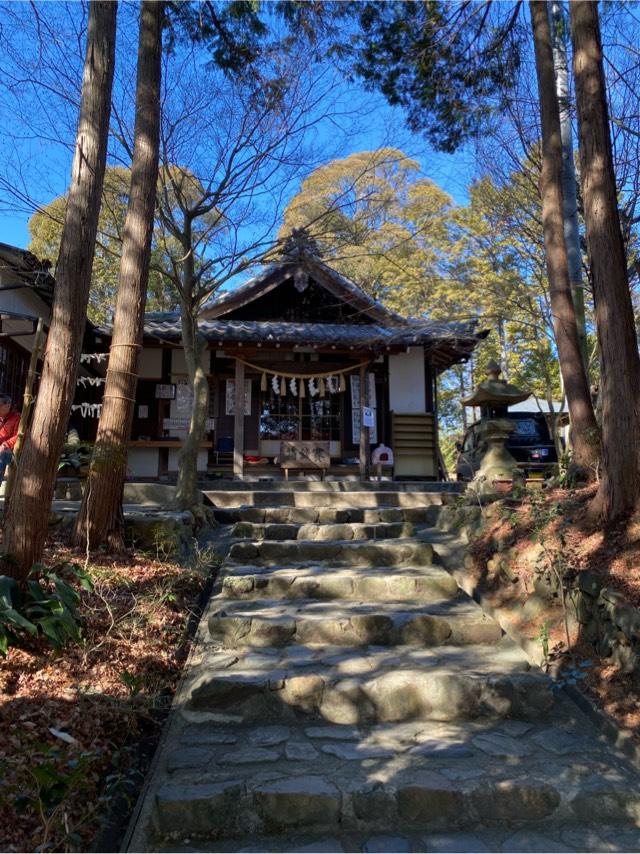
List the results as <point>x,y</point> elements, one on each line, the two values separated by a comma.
<point>530,444</point>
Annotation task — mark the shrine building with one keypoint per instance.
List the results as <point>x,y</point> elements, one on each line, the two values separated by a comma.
<point>312,351</point>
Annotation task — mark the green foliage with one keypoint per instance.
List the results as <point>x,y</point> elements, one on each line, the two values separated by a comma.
<point>55,777</point>
<point>12,622</point>
<point>377,221</point>
<point>45,227</point>
<point>47,607</point>
<point>448,65</point>
<point>132,682</point>
<point>233,31</point>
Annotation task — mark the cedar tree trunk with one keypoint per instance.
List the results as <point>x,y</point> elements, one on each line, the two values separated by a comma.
<point>100,519</point>
<point>620,383</point>
<point>569,186</point>
<point>585,437</point>
<point>27,511</point>
<point>186,491</point>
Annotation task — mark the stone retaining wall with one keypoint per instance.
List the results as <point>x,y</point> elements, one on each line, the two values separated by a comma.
<point>605,617</point>
<point>608,621</point>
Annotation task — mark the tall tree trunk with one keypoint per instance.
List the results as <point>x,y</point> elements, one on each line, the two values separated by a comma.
<point>620,385</point>
<point>186,491</point>
<point>586,446</point>
<point>100,519</point>
<point>27,512</point>
<point>569,186</point>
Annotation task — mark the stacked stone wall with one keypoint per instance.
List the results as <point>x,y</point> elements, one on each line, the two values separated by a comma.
<point>605,617</point>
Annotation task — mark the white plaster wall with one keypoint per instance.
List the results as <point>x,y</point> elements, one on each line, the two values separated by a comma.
<point>23,301</point>
<point>407,381</point>
<point>179,364</point>
<point>173,459</point>
<point>143,462</point>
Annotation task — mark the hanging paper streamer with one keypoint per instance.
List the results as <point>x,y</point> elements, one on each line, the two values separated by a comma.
<point>263,382</point>
<point>275,385</point>
<point>293,388</point>
<point>343,383</point>
<point>85,381</point>
<point>331,385</point>
<point>283,388</point>
<point>87,410</point>
<point>312,388</point>
<point>94,357</point>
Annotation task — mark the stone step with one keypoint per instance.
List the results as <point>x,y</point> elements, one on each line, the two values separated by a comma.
<point>567,837</point>
<point>322,533</point>
<point>271,781</point>
<point>324,515</point>
<point>365,499</point>
<point>371,584</point>
<point>371,684</point>
<point>269,623</point>
<point>400,552</point>
<point>268,485</point>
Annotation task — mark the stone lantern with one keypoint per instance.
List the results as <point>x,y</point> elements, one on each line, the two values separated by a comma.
<point>494,396</point>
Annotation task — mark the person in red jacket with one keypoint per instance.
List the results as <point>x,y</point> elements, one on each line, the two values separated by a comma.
<point>9,423</point>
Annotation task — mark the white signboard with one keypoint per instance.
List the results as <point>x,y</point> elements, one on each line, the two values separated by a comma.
<point>230,400</point>
<point>368,416</point>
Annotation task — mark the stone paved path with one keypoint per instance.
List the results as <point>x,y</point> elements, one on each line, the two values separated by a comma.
<point>346,696</point>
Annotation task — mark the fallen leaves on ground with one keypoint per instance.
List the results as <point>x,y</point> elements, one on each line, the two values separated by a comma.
<point>76,724</point>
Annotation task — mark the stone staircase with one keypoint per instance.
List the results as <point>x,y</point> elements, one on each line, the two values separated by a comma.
<point>347,696</point>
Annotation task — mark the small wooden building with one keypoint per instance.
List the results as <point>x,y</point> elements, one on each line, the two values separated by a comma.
<point>26,294</point>
<point>312,352</point>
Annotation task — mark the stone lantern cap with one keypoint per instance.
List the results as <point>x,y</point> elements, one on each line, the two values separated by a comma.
<point>494,391</point>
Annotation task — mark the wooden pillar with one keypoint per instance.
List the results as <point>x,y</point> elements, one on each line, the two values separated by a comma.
<point>364,431</point>
<point>238,427</point>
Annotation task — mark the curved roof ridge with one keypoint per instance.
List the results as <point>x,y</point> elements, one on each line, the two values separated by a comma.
<point>276,272</point>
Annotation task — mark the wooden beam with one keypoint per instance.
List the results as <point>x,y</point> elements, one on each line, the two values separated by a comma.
<point>238,426</point>
<point>364,431</point>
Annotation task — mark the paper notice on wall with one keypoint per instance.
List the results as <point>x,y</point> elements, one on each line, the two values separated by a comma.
<point>143,411</point>
<point>230,398</point>
<point>184,398</point>
<point>368,416</point>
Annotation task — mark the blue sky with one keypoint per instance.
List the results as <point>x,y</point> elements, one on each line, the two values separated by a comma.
<point>453,172</point>
<point>41,166</point>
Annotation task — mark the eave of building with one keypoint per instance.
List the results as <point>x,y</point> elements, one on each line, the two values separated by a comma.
<point>27,271</point>
<point>447,343</point>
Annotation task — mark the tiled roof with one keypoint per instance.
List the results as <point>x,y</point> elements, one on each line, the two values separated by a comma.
<point>29,270</point>
<point>167,326</point>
